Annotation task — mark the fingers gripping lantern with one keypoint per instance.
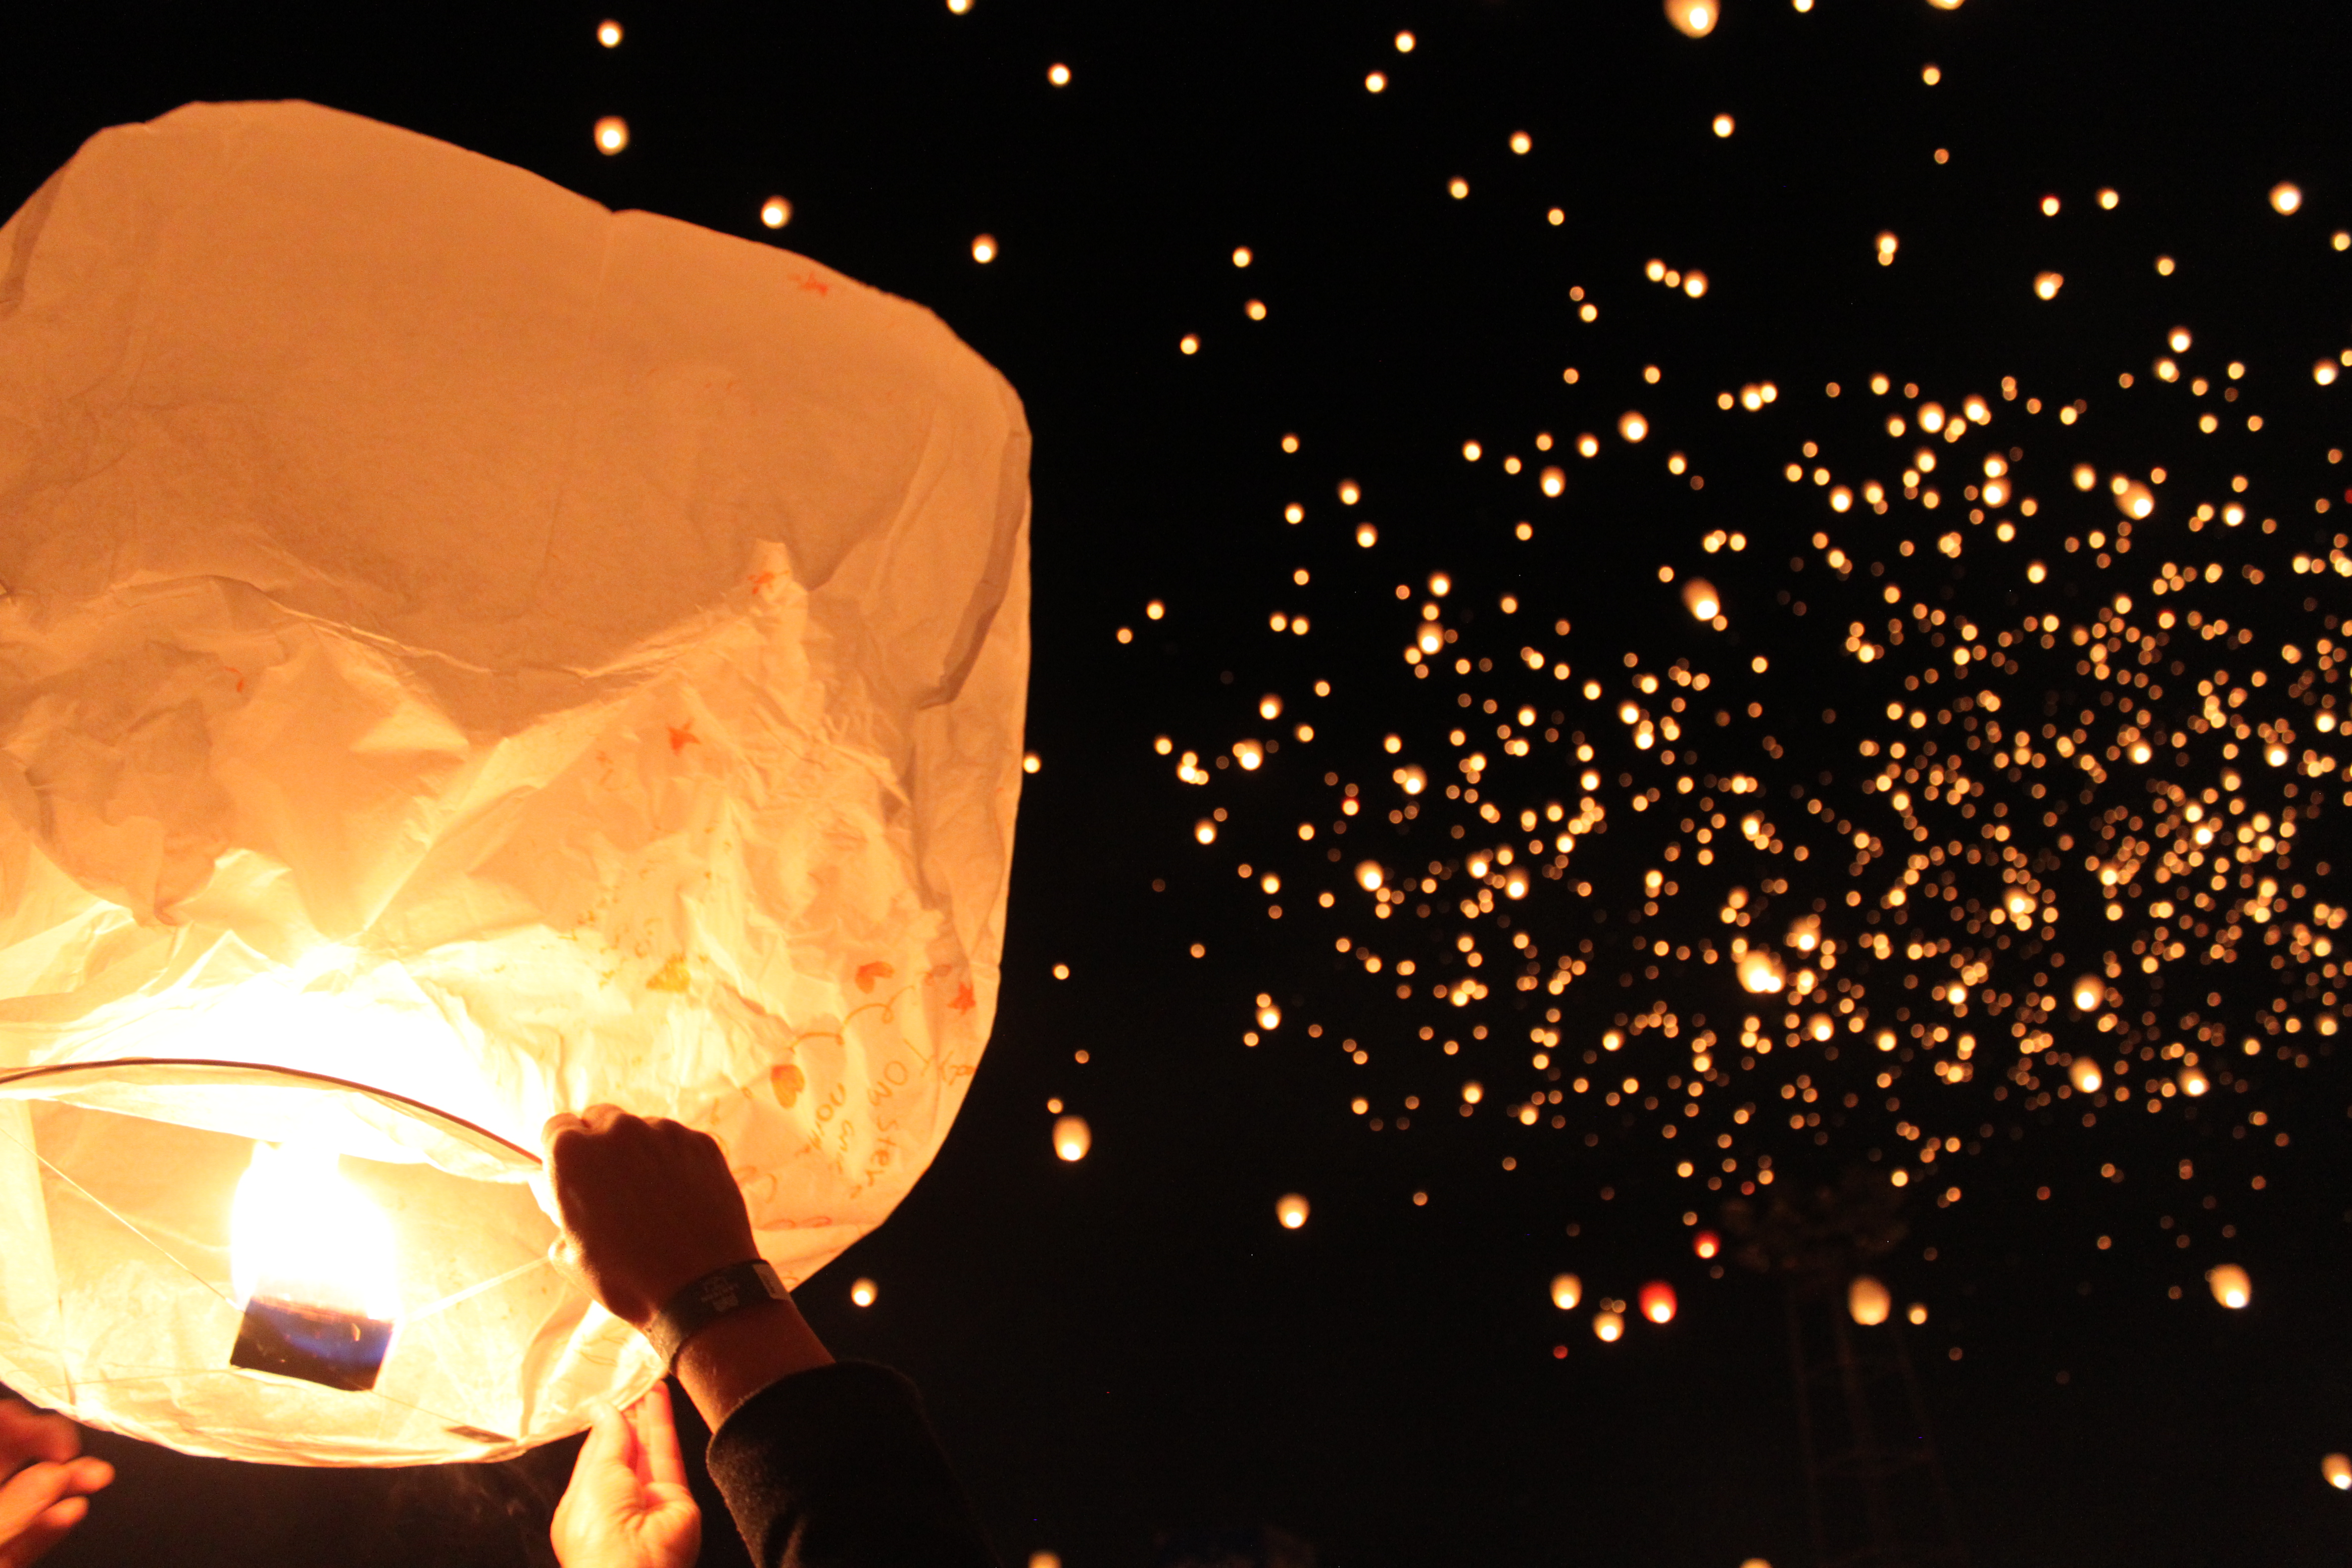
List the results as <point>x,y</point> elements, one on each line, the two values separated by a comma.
<point>464,654</point>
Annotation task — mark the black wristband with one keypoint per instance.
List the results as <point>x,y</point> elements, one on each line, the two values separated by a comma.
<point>708,1299</point>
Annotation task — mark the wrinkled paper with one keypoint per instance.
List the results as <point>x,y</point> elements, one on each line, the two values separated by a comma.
<point>464,643</point>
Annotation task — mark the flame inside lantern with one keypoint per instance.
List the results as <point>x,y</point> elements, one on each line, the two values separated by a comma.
<point>299,1232</point>
<point>311,1259</point>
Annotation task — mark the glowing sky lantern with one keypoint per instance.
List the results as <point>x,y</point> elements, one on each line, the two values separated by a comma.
<point>2285,198</point>
<point>1760,972</point>
<point>1553,481</point>
<point>1700,599</point>
<point>1657,1301</point>
<point>862,1292</point>
<point>2084,1076</point>
<point>1706,1244</point>
<point>2337,1470</point>
<point>1566,1291</point>
<point>608,33</point>
<point>1059,74</point>
<point>1291,1210</point>
<point>1692,18</point>
<point>310,1064</point>
<point>984,248</point>
<point>611,133</point>
<point>1072,1138</point>
<point>2090,991</point>
<point>2229,1286</point>
<point>2047,284</point>
<point>1632,425</point>
<point>775,212</point>
<point>1607,1326</point>
<point>2136,500</point>
<point>1867,1301</point>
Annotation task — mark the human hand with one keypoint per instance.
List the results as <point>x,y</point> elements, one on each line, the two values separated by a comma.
<point>628,1506</point>
<point>649,1208</point>
<point>44,1484</point>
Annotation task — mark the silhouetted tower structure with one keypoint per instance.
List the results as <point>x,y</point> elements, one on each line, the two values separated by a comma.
<point>1874,1490</point>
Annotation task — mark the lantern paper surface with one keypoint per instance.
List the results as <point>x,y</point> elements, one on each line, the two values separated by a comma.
<point>464,654</point>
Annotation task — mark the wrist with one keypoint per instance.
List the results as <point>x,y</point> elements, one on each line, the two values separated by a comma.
<point>742,1353</point>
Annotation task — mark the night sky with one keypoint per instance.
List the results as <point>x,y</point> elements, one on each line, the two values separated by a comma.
<point>1131,1361</point>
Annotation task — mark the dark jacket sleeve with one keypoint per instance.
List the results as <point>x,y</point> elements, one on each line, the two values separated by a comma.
<point>837,1468</point>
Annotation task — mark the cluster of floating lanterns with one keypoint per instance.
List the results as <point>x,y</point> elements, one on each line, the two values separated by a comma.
<point>1864,929</point>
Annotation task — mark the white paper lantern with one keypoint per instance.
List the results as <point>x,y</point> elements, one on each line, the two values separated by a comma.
<point>464,654</point>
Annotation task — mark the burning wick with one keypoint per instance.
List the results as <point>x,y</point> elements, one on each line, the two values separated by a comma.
<point>311,1259</point>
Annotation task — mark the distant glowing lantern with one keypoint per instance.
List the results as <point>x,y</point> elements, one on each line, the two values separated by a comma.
<point>2338,1469</point>
<point>2136,500</point>
<point>1887,247</point>
<point>1760,972</point>
<point>2229,1286</point>
<point>1658,1301</point>
<point>2084,1076</point>
<point>1473,1092</point>
<point>307,1072</point>
<point>2089,992</point>
<point>2286,198</point>
<point>1072,1138</point>
<point>1692,18</point>
<point>983,249</point>
<point>1633,426</point>
<point>1553,481</point>
<point>1699,597</point>
<point>2323,371</point>
<point>1706,1244</point>
<point>1867,1301</point>
<point>1607,1326</point>
<point>2192,1082</point>
<point>1205,831</point>
<point>1566,1291</point>
<point>775,212</point>
<point>862,1292</point>
<point>1916,1313</point>
<point>609,34</point>
<point>2047,284</point>
<point>611,133</point>
<point>1059,74</point>
<point>1723,125</point>
<point>1291,1210</point>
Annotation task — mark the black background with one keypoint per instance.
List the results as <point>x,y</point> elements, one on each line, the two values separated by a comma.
<point>1129,1352</point>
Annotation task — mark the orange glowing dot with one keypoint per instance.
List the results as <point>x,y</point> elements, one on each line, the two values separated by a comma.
<point>1554,481</point>
<point>1376,82</point>
<point>2047,284</point>
<point>1059,74</point>
<point>1723,125</point>
<point>775,212</point>
<point>862,1292</point>
<point>2286,198</point>
<point>611,133</point>
<point>1189,344</point>
<point>1867,1301</point>
<point>2231,1286</point>
<point>1073,1138</point>
<point>1291,1210</point>
<point>1658,1301</point>
<point>1692,18</point>
<point>1405,43</point>
<point>1931,75</point>
<point>1633,426</point>
<point>1607,1326</point>
<point>1521,142</point>
<point>983,249</point>
<point>1242,256</point>
<point>1457,188</point>
<point>609,34</point>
